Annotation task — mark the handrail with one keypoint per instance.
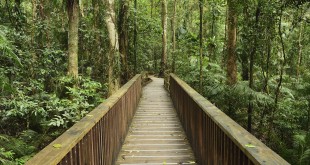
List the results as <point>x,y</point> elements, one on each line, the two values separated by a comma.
<point>214,137</point>
<point>97,138</point>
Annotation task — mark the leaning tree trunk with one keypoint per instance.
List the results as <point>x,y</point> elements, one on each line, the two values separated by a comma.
<point>113,68</point>
<point>231,43</point>
<point>164,39</point>
<point>73,37</point>
<point>123,38</point>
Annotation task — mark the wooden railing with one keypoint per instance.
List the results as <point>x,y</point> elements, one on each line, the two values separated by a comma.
<point>215,138</point>
<point>97,138</point>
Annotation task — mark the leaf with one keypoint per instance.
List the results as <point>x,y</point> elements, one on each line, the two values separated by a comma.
<point>57,146</point>
<point>90,115</point>
<point>250,145</point>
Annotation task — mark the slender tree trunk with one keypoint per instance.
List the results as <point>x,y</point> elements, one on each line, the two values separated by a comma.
<point>123,38</point>
<point>212,56</point>
<point>163,62</point>
<point>231,43</point>
<point>277,92</point>
<point>98,58</point>
<point>224,51</point>
<point>173,35</point>
<point>245,43</point>
<point>251,81</point>
<point>73,37</point>
<point>113,54</point>
<point>266,81</point>
<point>34,17</point>
<point>299,50</point>
<point>135,35</point>
<point>200,42</point>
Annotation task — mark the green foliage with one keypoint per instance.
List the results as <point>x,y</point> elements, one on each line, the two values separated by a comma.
<point>83,99</point>
<point>6,47</point>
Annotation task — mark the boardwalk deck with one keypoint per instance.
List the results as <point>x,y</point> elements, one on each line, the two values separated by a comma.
<point>156,135</point>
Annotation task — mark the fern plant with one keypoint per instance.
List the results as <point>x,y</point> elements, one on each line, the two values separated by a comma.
<point>302,146</point>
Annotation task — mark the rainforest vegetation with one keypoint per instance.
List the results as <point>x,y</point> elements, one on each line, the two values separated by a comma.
<point>61,58</point>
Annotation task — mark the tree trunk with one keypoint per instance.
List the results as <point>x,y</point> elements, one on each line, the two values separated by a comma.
<point>231,43</point>
<point>299,50</point>
<point>200,42</point>
<point>244,57</point>
<point>173,35</point>
<point>123,38</point>
<point>135,35</point>
<point>164,39</point>
<point>251,80</point>
<point>113,54</point>
<point>224,50</point>
<point>73,37</point>
<point>277,92</point>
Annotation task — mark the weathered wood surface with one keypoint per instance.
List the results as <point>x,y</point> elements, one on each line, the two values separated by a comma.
<point>97,138</point>
<point>156,135</point>
<point>214,137</point>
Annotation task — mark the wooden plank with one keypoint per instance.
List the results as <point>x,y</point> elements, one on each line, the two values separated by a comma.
<point>156,135</point>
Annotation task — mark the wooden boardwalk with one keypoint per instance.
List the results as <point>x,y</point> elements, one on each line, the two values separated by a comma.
<point>156,136</point>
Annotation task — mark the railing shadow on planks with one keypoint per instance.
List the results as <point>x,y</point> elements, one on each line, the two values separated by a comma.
<point>215,138</point>
<point>98,137</point>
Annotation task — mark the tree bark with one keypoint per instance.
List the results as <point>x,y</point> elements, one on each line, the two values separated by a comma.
<point>231,43</point>
<point>73,37</point>
<point>135,35</point>
<point>251,80</point>
<point>123,38</point>
<point>164,39</point>
<point>200,42</point>
<point>113,54</point>
<point>173,35</point>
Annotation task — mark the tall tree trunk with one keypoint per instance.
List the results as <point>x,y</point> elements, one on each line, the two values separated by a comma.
<point>73,37</point>
<point>164,39</point>
<point>113,54</point>
<point>277,92</point>
<point>135,35</point>
<point>244,57</point>
<point>211,46</point>
<point>123,38</point>
<point>251,80</point>
<point>200,42</point>
<point>224,50</point>
<point>173,35</point>
<point>231,43</point>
